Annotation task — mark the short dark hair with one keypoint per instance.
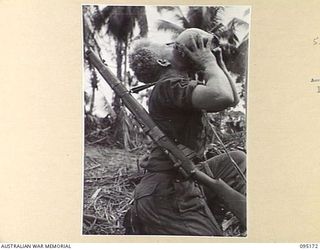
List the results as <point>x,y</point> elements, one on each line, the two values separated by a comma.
<point>143,61</point>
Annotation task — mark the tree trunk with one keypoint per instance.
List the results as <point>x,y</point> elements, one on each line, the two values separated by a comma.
<point>92,100</point>
<point>142,21</point>
<point>94,85</point>
<point>125,62</point>
<point>117,125</point>
<point>117,101</point>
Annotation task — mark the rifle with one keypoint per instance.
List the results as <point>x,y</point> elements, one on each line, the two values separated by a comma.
<point>232,199</point>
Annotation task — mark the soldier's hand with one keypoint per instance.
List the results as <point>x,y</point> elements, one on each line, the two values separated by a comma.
<point>199,51</point>
<point>218,54</point>
<point>143,161</point>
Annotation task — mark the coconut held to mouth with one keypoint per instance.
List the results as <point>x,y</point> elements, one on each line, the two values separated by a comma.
<point>185,37</point>
<point>190,39</point>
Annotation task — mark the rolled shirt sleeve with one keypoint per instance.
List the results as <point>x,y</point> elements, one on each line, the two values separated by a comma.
<point>174,94</point>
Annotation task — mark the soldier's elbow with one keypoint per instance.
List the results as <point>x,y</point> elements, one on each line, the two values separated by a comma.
<point>235,102</point>
<point>220,104</point>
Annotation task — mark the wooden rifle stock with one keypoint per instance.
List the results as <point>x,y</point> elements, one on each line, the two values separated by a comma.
<point>234,201</point>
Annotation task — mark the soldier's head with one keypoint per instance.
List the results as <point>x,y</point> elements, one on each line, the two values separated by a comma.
<point>149,60</point>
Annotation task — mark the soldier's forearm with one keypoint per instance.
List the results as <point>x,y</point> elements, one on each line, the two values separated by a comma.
<point>232,85</point>
<point>217,80</point>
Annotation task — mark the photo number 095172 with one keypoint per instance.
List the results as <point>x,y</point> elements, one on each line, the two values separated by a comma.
<point>165,92</point>
<point>308,245</point>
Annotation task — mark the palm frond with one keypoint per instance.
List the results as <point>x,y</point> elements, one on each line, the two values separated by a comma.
<point>217,29</point>
<point>195,17</point>
<point>205,18</point>
<point>238,22</point>
<point>185,22</point>
<point>167,8</point>
<point>245,38</point>
<point>100,17</point>
<point>121,23</point>
<point>230,36</point>
<point>243,47</point>
<point>233,39</point>
<point>165,25</point>
<point>230,32</point>
<point>213,15</point>
<point>246,12</point>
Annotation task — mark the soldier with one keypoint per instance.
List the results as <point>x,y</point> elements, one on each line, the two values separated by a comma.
<point>166,203</point>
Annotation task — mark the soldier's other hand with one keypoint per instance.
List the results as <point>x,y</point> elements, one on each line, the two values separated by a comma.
<point>143,161</point>
<point>218,54</point>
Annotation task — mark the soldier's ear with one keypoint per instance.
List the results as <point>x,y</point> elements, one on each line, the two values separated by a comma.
<point>163,62</point>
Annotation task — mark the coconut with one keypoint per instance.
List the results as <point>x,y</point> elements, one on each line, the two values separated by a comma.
<point>185,37</point>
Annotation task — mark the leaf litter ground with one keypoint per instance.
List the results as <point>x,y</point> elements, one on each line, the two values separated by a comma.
<point>110,176</point>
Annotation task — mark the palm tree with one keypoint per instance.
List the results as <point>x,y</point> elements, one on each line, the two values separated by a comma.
<point>120,22</point>
<point>90,42</point>
<point>205,18</point>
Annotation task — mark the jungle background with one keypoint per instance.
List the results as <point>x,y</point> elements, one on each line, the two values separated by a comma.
<point>114,142</point>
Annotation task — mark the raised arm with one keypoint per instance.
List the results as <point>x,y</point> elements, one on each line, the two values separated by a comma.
<point>218,93</point>
<point>218,54</point>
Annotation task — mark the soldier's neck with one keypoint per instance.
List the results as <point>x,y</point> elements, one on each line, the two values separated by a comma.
<point>173,73</point>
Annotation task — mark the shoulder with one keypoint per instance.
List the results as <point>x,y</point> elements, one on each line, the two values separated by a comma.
<point>174,85</point>
<point>174,92</point>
